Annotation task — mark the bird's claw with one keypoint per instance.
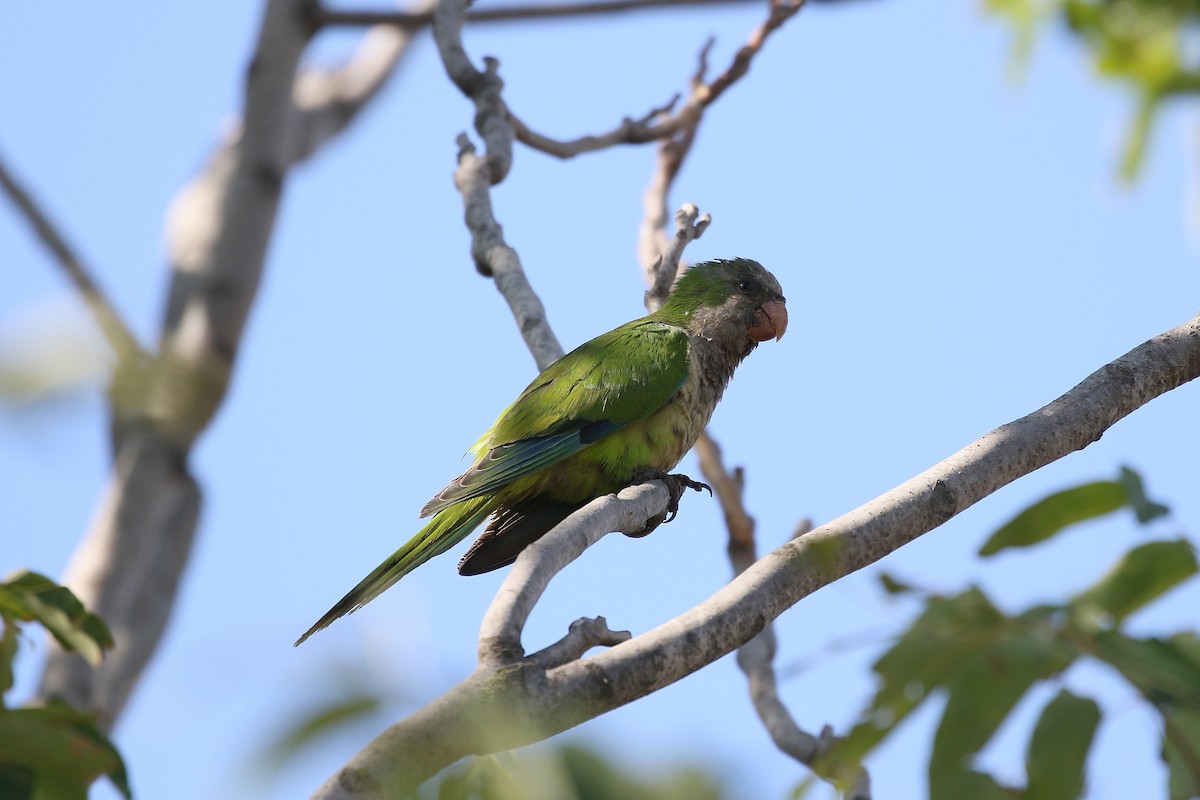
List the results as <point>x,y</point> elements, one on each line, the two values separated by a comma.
<point>676,484</point>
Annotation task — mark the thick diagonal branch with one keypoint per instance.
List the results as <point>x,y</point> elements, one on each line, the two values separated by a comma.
<point>497,709</point>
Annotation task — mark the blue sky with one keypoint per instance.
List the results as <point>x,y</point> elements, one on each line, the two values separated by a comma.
<point>954,245</point>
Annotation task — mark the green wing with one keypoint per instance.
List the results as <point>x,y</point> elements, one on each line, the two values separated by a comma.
<point>602,386</point>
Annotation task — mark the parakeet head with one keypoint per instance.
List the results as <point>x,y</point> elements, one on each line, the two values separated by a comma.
<point>735,300</point>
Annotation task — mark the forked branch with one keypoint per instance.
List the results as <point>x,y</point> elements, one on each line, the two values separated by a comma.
<point>665,123</point>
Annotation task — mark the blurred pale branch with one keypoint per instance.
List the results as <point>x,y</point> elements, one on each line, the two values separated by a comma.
<point>119,337</point>
<point>323,15</point>
<point>48,352</point>
<point>129,565</point>
<point>326,16</point>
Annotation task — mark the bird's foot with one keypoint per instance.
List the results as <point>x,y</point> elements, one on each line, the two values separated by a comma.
<point>676,483</point>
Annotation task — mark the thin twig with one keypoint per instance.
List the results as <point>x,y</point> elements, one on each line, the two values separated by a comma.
<point>114,329</point>
<point>414,20</point>
<point>680,125</point>
<point>495,258</point>
<point>583,635</point>
<point>653,243</point>
<point>690,225</point>
<point>630,131</point>
<point>475,176</point>
<point>756,657</point>
<point>481,88</point>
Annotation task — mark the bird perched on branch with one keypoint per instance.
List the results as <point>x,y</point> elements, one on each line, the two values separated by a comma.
<point>623,408</point>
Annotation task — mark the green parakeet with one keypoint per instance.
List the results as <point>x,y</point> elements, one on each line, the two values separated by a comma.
<point>628,403</point>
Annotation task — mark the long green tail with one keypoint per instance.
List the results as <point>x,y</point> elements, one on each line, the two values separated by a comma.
<point>448,527</point>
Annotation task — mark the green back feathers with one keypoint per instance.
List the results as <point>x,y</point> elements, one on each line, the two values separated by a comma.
<point>604,385</point>
<point>618,377</point>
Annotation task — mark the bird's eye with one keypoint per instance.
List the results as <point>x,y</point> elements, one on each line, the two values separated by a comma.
<point>745,286</point>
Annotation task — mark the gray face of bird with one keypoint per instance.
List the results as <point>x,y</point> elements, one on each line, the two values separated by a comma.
<point>751,307</point>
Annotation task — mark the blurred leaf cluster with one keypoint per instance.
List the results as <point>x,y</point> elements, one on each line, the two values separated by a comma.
<point>47,353</point>
<point>984,661</point>
<point>360,698</point>
<point>1149,45</point>
<point>55,752</point>
<point>568,772</point>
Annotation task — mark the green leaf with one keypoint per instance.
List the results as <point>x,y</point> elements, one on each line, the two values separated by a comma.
<point>1025,17</point>
<point>894,586</point>
<point>1050,515</point>
<point>571,771</point>
<point>1134,152</point>
<point>1165,671</point>
<point>983,693</point>
<point>1059,746</point>
<point>62,748</point>
<point>802,789</point>
<point>984,659</point>
<point>1142,574</point>
<point>8,652</point>
<point>318,723</point>
<point>970,783</point>
<point>925,658</point>
<point>1145,508</point>
<point>28,596</point>
<point>1181,752</point>
<point>16,783</point>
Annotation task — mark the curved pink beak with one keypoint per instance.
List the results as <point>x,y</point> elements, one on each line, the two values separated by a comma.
<point>770,321</point>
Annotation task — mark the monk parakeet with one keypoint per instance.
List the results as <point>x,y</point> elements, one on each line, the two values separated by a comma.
<point>621,408</point>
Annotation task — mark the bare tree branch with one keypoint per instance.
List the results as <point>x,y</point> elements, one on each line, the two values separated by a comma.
<point>112,326</point>
<point>533,704</point>
<point>626,512</point>
<point>690,225</point>
<point>475,176</point>
<point>756,657</point>
<point>661,262</point>
<point>415,20</point>
<point>728,488</point>
<point>326,101</point>
<point>481,88</point>
<point>653,243</point>
<point>129,565</point>
<point>583,635</point>
<point>679,126</point>
<point>630,131</point>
